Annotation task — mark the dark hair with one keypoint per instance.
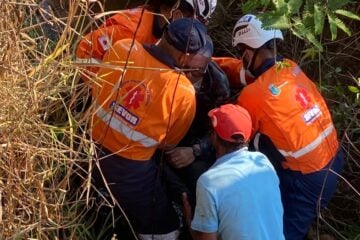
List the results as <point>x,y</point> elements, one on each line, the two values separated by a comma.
<point>184,6</point>
<point>233,146</point>
<point>154,5</point>
<point>271,44</point>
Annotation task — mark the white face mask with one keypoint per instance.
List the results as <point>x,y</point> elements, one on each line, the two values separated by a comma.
<point>245,76</point>
<point>247,68</point>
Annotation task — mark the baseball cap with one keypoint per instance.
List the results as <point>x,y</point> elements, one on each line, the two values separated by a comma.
<point>187,35</point>
<point>230,119</point>
<point>208,49</point>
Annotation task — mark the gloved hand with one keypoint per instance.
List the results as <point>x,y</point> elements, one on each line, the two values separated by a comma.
<point>216,85</point>
<point>180,157</point>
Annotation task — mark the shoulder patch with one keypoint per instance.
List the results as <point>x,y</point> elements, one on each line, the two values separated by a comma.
<point>105,42</point>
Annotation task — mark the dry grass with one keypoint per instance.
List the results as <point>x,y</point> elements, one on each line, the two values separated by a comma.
<point>40,145</point>
<point>44,153</point>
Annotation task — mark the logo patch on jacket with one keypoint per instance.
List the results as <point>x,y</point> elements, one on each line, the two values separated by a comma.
<point>104,42</point>
<point>274,90</point>
<point>134,94</point>
<point>311,114</point>
<point>302,96</point>
<point>124,113</point>
<point>133,100</point>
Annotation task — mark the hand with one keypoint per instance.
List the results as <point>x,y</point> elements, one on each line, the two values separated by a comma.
<point>180,157</point>
<point>186,209</point>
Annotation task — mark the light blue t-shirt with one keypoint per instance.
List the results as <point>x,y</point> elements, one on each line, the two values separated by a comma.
<point>239,198</point>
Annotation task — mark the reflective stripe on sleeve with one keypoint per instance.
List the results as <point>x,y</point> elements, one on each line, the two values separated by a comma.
<point>314,144</point>
<point>120,127</point>
<point>88,60</point>
<point>256,141</point>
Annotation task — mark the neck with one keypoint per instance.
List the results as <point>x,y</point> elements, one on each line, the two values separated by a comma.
<point>221,151</point>
<point>262,55</point>
<point>166,47</point>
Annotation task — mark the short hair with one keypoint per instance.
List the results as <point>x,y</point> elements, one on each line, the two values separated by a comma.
<point>184,6</point>
<point>240,142</point>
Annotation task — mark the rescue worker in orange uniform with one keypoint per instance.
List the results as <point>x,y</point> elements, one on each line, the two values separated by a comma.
<point>145,24</point>
<point>286,107</point>
<point>142,103</point>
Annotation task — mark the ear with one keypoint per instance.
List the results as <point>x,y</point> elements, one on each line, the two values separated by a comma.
<point>177,14</point>
<point>166,11</point>
<point>182,59</point>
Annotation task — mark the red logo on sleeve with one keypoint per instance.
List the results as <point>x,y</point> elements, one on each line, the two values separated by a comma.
<point>303,98</point>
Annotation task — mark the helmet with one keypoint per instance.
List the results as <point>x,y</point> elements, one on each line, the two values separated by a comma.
<point>248,30</point>
<point>203,8</point>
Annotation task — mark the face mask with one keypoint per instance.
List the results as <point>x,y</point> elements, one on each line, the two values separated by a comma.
<point>246,76</point>
<point>248,70</point>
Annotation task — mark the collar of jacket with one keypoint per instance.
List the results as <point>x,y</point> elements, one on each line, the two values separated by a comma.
<point>268,63</point>
<point>157,29</point>
<point>160,55</point>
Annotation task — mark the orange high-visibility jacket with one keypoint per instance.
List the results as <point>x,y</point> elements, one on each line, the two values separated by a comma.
<point>234,70</point>
<point>122,25</point>
<point>286,106</point>
<point>150,106</point>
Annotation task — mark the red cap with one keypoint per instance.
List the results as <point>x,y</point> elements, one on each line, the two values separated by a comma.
<point>230,119</point>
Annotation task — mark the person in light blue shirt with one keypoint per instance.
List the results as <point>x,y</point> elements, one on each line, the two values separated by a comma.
<point>239,196</point>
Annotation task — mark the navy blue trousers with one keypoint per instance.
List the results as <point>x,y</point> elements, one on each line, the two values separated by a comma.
<point>137,187</point>
<point>304,195</point>
<point>300,193</point>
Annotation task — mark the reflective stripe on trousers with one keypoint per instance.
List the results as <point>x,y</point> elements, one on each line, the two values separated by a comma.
<point>174,235</point>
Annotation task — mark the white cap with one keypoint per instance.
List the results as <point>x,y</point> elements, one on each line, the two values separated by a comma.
<point>203,8</point>
<point>248,30</point>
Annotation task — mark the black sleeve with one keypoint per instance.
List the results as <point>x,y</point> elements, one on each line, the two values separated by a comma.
<point>215,86</point>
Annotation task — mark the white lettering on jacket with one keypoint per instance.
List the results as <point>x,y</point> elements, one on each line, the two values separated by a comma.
<point>312,114</point>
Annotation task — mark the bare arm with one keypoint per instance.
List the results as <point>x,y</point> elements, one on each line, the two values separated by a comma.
<point>196,235</point>
<point>202,236</point>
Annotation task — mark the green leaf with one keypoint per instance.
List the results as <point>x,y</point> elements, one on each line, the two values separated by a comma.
<point>319,19</point>
<point>294,6</point>
<point>264,2</point>
<point>333,27</point>
<point>301,29</point>
<point>340,24</point>
<point>281,65</point>
<point>334,5</point>
<point>354,89</point>
<point>250,6</point>
<point>308,18</point>
<point>297,33</point>
<point>271,20</point>
<point>311,37</point>
<point>309,53</point>
<point>281,6</point>
<point>347,14</point>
